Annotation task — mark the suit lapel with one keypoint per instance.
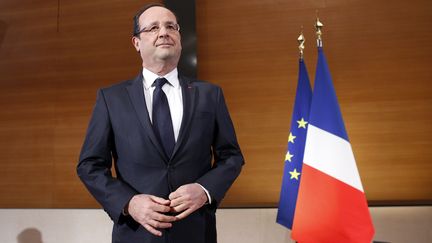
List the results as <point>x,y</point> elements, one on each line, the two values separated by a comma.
<point>136,94</point>
<point>189,97</point>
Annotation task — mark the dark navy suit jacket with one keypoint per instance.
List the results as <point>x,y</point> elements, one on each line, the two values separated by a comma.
<point>120,131</point>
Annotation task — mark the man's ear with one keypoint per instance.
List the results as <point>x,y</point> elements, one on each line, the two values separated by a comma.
<point>135,43</point>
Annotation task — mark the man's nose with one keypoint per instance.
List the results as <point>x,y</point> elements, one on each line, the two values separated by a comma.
<point>163,32</point>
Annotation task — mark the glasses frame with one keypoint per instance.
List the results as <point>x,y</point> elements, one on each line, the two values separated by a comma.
<point>153,29</point>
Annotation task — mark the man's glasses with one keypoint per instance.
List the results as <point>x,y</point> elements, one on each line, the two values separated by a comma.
<point>154,29</point>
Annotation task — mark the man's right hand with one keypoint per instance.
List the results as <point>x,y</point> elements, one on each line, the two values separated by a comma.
<point>149,211</point>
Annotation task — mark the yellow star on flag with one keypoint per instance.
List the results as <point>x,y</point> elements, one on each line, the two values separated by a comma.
<point>291,138</point>
<point>294,174</point>
<point>288,156</point>
<point>302,123</point>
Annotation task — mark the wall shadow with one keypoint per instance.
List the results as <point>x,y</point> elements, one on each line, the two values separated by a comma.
<point>30,235</point>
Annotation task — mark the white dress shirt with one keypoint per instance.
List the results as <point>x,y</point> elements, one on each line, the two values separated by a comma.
<point>175,101</point>
<point>172,91</point>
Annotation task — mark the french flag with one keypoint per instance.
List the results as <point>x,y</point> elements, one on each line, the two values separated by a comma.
<point>331,204</point>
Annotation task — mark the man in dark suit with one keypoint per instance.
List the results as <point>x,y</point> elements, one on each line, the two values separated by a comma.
<point>162,131</point>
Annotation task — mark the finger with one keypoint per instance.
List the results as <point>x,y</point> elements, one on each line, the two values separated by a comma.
<point>160,208</point>
<point>160,200</point>
<point>152,230</point>
<point>185,213</point>
<point>176,202</point>
<point>159,225</point>
<point>163,218</point>
<point>175,194</point>
<point>180,208</point>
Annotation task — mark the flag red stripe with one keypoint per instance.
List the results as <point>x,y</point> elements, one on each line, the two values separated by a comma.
<point>329,210</point>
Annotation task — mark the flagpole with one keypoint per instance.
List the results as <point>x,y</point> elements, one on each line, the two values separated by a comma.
<point>318,27</point>
<point>301,40</point>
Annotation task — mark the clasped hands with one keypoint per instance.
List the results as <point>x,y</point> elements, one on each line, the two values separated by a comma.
<point>150,211</point>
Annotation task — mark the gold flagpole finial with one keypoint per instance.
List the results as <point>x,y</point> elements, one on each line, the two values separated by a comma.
<point>301,40</point>
<point>318,27</point>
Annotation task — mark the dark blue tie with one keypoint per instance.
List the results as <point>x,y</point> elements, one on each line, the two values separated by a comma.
<point>161,116</point>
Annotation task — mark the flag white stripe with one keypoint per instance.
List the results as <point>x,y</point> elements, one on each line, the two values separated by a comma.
<point>331,155</point>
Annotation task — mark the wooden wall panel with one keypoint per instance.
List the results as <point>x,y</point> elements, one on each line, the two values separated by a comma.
<point>52,61</point>
<point>27,103</point>
<point>54,57</point>
<point>379,54</point>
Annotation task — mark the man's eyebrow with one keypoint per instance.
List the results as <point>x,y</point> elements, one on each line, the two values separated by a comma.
<point>152,23</point>
<point>158,23</point>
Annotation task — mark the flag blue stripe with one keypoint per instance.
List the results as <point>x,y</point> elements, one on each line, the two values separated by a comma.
<point>289,188</point>
<point>325,112</point>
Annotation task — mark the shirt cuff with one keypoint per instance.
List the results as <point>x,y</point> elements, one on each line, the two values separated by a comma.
<point>207,193</point>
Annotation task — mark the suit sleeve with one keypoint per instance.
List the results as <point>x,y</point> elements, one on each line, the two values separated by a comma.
<point>94,167</point>
<point>228,159</point>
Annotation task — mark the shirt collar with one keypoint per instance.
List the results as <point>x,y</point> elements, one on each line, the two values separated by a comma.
<point>150,77</point>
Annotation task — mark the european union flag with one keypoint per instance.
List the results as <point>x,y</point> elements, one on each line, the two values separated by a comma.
<point>295,149</point>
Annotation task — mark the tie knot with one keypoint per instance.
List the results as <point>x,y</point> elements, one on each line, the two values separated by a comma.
<point>159,82</point>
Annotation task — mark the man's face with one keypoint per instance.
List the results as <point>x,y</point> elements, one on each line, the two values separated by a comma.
<point>159,43</point>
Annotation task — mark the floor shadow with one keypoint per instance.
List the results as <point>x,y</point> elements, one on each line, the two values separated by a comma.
<point>30,235</point>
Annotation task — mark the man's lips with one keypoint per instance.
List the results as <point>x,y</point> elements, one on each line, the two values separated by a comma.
<point>164,44</point>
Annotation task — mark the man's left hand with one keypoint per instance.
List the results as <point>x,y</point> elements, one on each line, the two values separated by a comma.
<point>186,199</point>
